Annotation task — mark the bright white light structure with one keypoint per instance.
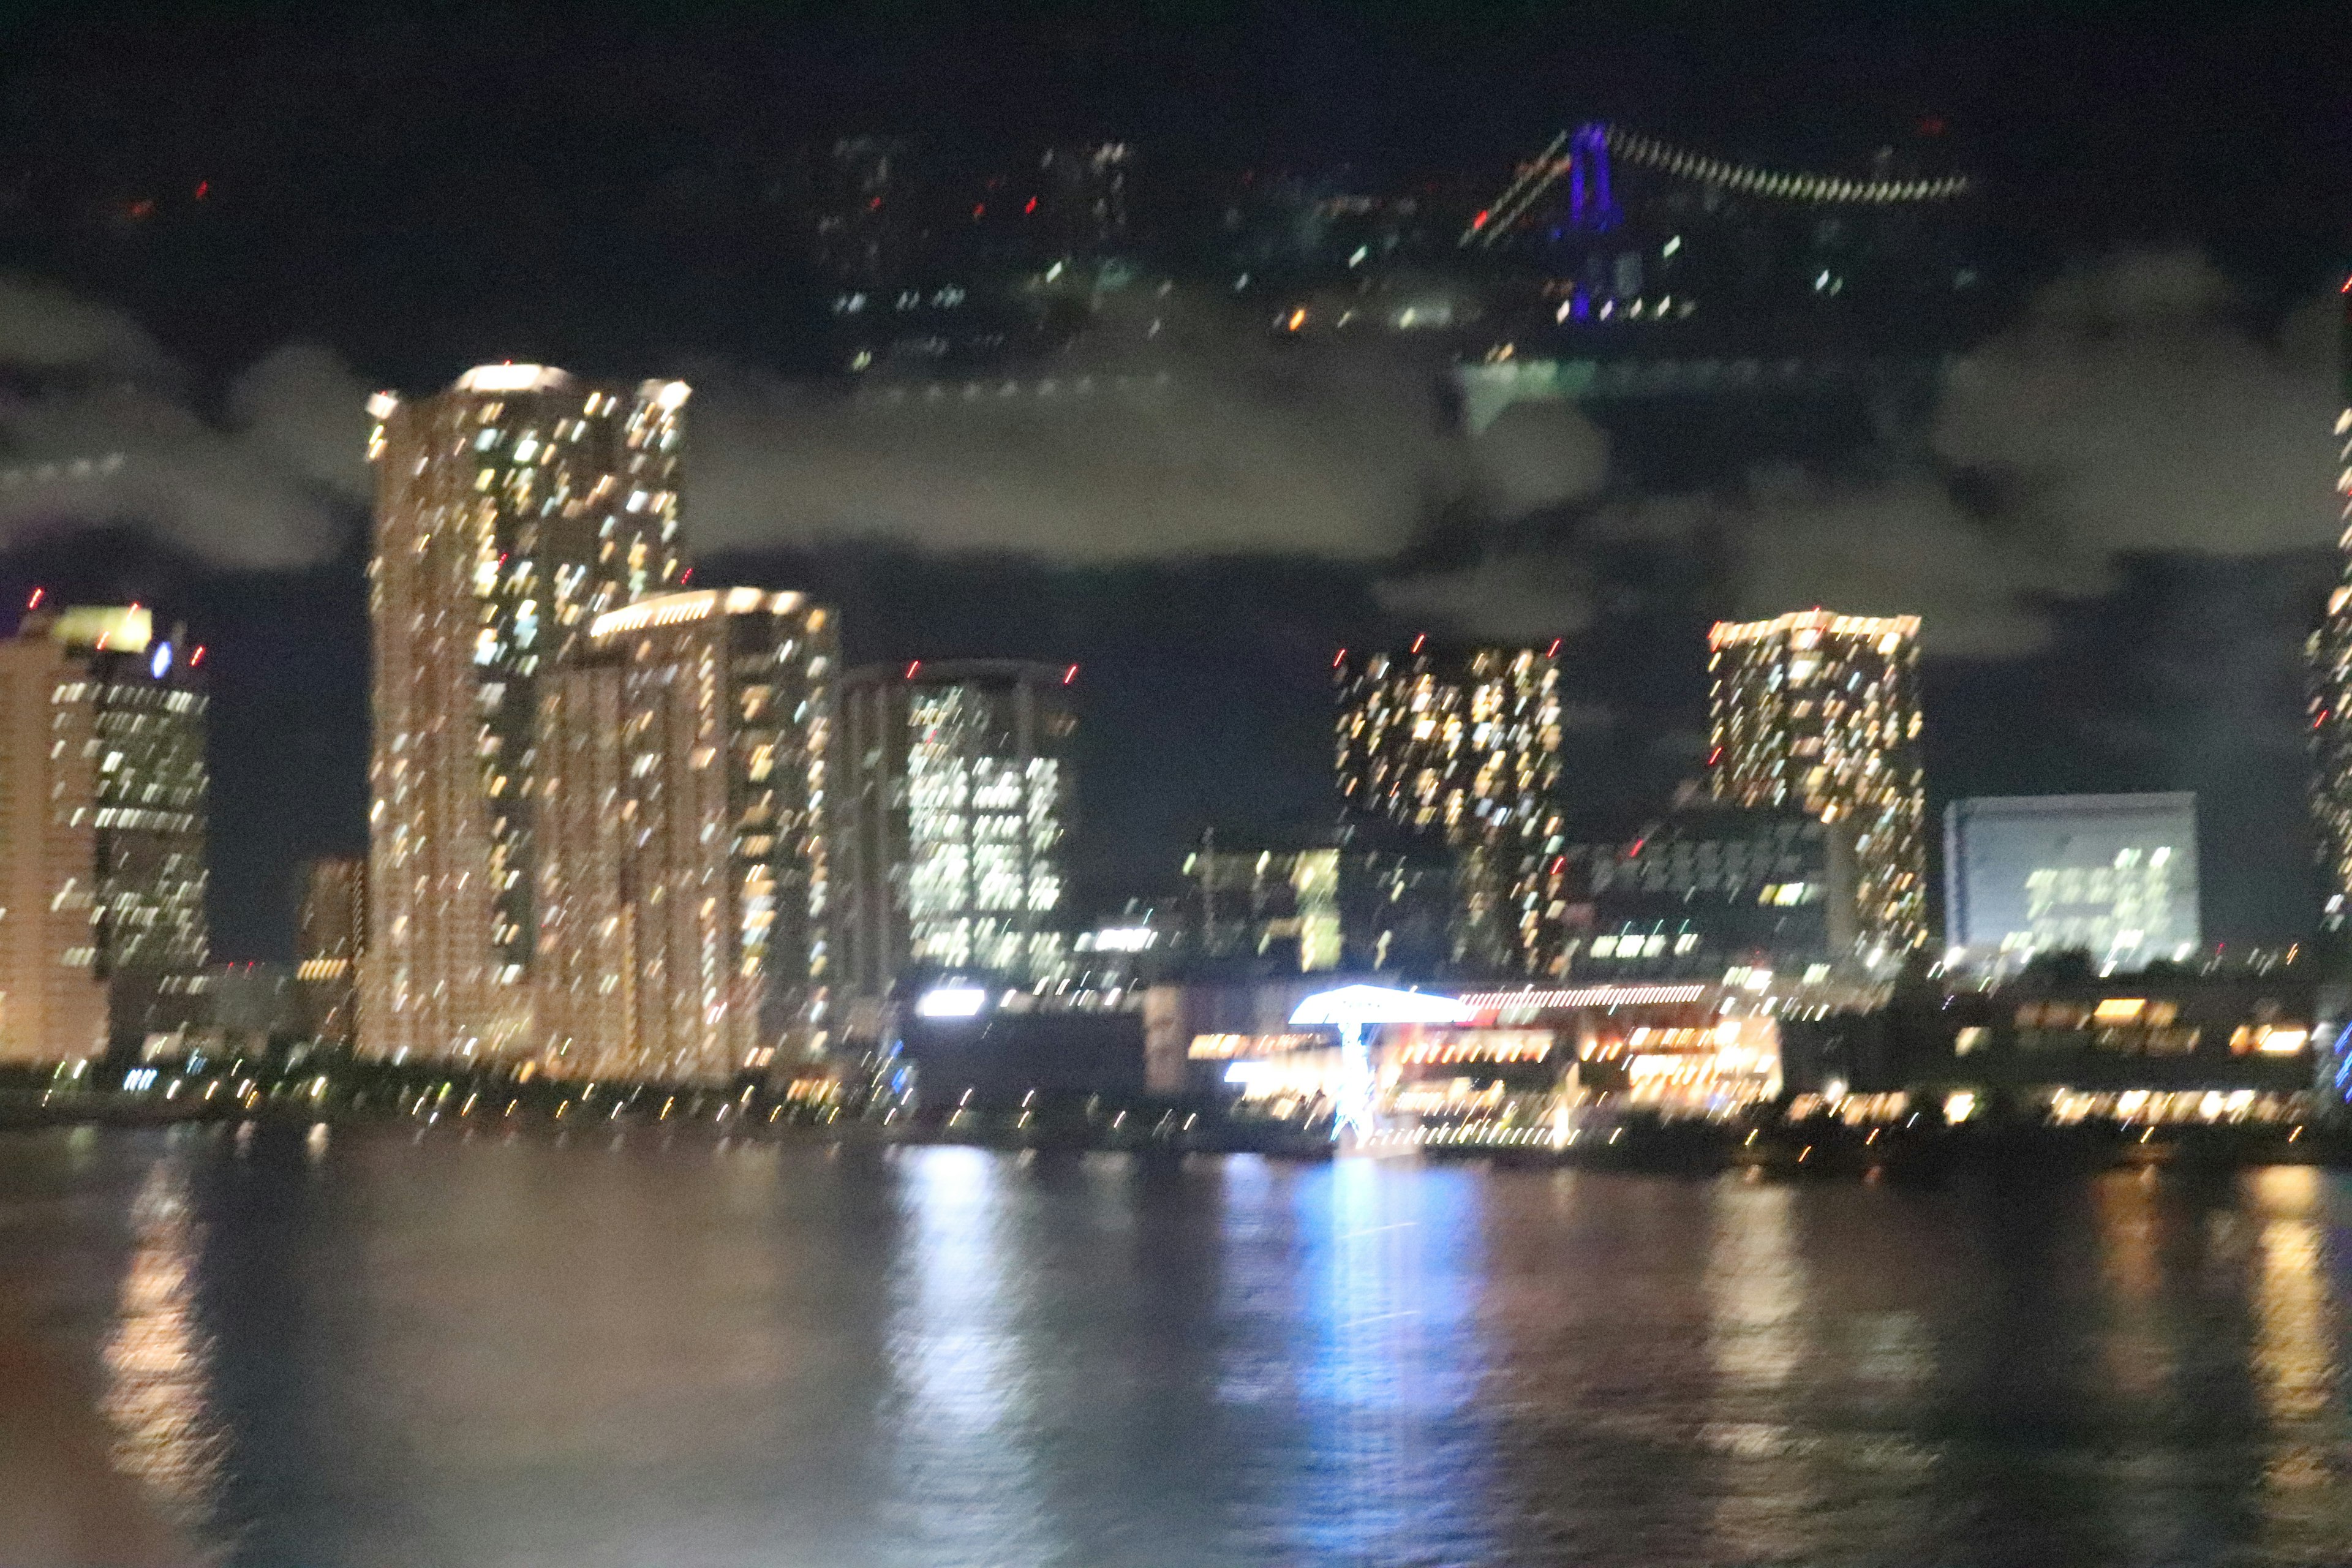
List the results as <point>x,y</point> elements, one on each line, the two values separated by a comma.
<point>951,1002</point>
<point>1354,1010</point>
<point>512,378</point>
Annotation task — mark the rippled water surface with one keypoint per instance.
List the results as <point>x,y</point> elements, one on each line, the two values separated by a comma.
<point>511,1351</point>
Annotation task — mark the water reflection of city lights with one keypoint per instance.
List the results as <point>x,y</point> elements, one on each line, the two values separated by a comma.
<point>158,1358</point>
<point>1388,1365</point>
<point>1755,1287</point>
<point>954,1347</point>
<point>2294,1364</point>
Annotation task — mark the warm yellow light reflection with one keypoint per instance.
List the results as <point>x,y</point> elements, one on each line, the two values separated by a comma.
<point>158,1359</point>
<point>2293,1354</point>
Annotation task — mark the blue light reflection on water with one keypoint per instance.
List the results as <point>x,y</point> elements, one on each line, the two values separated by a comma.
<point>1383,1339</point>
<point>521,1353</point>
<point>964,1478</point>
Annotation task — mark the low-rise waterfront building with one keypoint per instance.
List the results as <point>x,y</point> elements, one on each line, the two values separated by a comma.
<point>1708,888</point>
<point>2061,1041</point>
<point>1352,898</point>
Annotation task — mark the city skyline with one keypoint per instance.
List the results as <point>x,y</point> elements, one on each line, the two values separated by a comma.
<point>707,890</point>
<point>1240,783</point>
<point>2158,675</point>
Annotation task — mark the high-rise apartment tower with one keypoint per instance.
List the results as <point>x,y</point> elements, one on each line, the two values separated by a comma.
<point>1460,747</point>
<point>512,510</point>
<point>1818,712</point>
<point>2330,654</point>
<point>685,862</point>
<point>330,934</point>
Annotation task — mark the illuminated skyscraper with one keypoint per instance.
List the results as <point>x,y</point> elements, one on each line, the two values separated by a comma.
<point>511,511</point>
<point>330,932</point>
<point>102,808</point>
<point>1461,747</point>
<point>684,864</point>
<point>1820,713</point>
<point>2330,654</point>
<point>957,807</point>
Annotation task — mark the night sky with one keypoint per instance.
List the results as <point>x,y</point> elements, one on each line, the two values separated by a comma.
<point>2119,516</point>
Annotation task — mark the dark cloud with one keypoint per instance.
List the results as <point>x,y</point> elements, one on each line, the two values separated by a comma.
<point>104,432</point>
<point>43,328</point>
<point>1201,437</point>
<point>2138,409</point>
<point>1537,455</point>
<point>1897,546</point>
<point>1519,598</point>
<point>2134,408</point>
<point>302,405</point>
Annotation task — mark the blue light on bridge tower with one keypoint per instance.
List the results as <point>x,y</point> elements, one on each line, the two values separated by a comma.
<point>1591,202</point>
